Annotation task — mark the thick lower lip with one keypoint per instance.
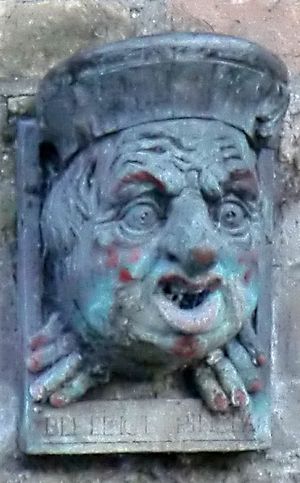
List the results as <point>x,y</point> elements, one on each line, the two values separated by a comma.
<point>198,320</point>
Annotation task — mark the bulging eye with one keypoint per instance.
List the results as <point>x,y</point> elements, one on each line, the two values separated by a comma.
<point>141,217</point>
<point>232,216</point>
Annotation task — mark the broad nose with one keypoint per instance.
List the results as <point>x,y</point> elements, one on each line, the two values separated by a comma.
<point>190,238</point>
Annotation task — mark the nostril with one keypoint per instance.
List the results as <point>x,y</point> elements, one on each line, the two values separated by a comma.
<point>172,258</point>
<point>203,256</point>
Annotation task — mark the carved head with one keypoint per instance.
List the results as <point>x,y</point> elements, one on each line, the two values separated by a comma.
<point>153,226</point>
<point>156,232</point>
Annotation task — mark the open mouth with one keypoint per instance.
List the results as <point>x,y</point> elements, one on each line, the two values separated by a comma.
<point>185,300</point>
<point>184,294</point>
<point>187,306</point>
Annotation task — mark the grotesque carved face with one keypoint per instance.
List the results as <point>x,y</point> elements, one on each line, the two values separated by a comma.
<point>154,235</point>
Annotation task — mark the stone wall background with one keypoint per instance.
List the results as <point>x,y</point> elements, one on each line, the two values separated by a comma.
<point>34,35</point>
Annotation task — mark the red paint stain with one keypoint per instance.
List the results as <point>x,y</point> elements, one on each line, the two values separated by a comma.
<point>204,256</point>
<point>245,180</point>
<point>57,400</point>
<point>125,275</point>
<point>240,398</point>
<point>144,177</point>
<point>34,363</point>
<point>261,359</point>
<point>220,402</point>
<point>38,341</point>
<point>134,255</point>
<point>243,174</point>
<point>112,259</point>
<point>255,386</point>
<point>186,346</point>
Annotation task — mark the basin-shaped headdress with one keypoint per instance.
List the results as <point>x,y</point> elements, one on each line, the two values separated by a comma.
<point>106,89</point>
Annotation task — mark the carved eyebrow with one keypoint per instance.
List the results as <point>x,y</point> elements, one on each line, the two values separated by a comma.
<point>228,148</point>
<point>243,182</point>
<point>140,177</point>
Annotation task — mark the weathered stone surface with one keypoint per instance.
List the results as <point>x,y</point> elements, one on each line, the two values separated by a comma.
<point>272,23</point>
<point>8,344</point>
<point>282,464</point>
<point>7,208</point>
<point>148,17</point>
<point>18,106</point>
<point>3,116</point>
<point>288,176</point>
<point>37,34</point>
<point>19,87</point>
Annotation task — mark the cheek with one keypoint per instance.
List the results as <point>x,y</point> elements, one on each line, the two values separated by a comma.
<point>134,255</point>
<point>112,257</point>
<point>124,264</point>
<point>120,264</point>
<point>249,267</point>
<point>125,275</point>
<point>249,278</point>
<point>113,262</point>
<point>136,263</point>
<point>248,275</point>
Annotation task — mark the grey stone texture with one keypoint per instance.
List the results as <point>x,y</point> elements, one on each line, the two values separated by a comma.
<point>34,36</point>
<point>50,30</point>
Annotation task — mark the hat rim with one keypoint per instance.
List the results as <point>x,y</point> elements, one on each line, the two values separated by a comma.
<point>91,67</point>
<point>220,46</point>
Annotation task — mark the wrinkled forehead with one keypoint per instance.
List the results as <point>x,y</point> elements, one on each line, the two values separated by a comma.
<point>186,143</point>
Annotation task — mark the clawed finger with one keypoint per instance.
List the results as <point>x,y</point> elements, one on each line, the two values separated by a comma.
<point>73,390</point>
<point>45,356</point>
<point>249,340</point>
<point>48,333</point>
<point>210,389</point>
<point>241,360</point>
<point>55,376</point>
<point>231,382</point>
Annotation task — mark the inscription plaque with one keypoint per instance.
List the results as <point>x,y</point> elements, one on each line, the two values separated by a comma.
<point>145,194</point>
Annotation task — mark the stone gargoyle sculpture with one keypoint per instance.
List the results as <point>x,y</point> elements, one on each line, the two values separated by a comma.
<point>152,220</point>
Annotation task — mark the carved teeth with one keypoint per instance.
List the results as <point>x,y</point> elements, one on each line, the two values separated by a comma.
<point>182,298</point>
<point>187,294</point>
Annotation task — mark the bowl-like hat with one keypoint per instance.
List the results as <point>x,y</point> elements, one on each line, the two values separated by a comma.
<point>106,89</point>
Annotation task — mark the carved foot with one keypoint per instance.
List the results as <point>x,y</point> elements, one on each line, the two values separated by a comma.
<point>64,374</point>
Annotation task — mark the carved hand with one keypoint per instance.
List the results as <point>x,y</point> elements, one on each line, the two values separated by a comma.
<point>229,375</point>
<point>65,374</point>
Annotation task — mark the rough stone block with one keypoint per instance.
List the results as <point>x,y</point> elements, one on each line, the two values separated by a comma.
<point>18,106</point>
<point>35,35</point>
<point>148,17</point>
<point>286,294</point>
<point>19,87</point>
<point>7,207</point>
<point>275,24</point>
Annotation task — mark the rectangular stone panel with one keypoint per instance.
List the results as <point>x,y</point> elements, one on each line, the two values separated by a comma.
<point>135,426</point>
<point>130,421</point>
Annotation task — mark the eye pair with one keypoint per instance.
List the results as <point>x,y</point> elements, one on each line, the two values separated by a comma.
<point>143,216</point>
